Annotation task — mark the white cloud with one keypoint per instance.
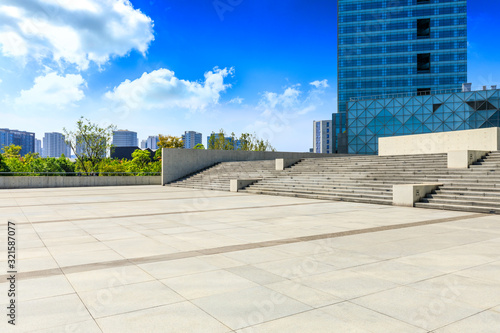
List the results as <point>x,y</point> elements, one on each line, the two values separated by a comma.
<point>160,89</point>
<point>285,116</point>
<point>237,100</point>
<point>74,32</point>
<point>53,90</point>
<point>320,84</point>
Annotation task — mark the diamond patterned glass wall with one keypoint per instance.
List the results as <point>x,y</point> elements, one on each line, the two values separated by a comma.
<point>369,120</point>
<point>400,46</point>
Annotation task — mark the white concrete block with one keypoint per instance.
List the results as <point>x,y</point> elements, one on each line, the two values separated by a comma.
<point>485,139</point>
<point>408,194</point>
<point>237,184</point>
<point>283,163</point>
<point>462,159</point>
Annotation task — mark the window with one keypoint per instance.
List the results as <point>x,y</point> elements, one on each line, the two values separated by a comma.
<point>423,63</point>
<point>423,28</point>
<point>327,124</point>
<point>423,91</point>
<point>327,147</point>
<point>328,136</point>
<point>327,130</point>
<point>423,2</point>
<point>328,141</point>
<point>435,107</point>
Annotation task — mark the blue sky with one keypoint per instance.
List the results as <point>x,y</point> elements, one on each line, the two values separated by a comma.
<point>170,66</point>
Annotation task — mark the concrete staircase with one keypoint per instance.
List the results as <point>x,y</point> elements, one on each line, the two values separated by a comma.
<point>219,176</point>
<point>365,179</point>
<point>475,190</point>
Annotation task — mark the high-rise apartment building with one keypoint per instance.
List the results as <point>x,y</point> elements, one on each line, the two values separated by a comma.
<point>125,138</point>
<point>152,142</point>
<point>191,139</point>
<point>400,47</point>
<point>322,137</point>
<point>38,147</point>
<point>54,145</point>
<point>19,138</point>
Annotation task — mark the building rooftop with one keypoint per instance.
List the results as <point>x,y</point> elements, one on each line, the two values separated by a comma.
<point>165,259</point>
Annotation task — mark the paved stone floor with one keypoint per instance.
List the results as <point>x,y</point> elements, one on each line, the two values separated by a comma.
<point>163,259</point>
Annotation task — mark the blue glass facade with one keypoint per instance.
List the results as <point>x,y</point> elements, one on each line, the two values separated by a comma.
<point>19,138</point>
<point>400,46</point>
<point>371,119</point>
<point>339,127</point>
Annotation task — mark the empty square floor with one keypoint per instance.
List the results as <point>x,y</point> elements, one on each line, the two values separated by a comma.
<point>166,259</point>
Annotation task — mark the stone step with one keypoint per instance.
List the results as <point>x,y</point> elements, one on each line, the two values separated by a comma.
<point>325,197</point>
<point>474,209</point>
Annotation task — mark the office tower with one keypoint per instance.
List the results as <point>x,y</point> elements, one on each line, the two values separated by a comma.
<point>143,144</point>
<point>125,138</point>
<point>191,139</point>
<point>152,142</point>
<point>322,141</point>
<point>38,147</point>
<point>405,47</point>
<point>54,145</point>
<point>19,138</point>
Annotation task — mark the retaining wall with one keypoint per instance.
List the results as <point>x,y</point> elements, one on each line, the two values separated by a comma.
<point>75,181</point>
<point>179,163</point>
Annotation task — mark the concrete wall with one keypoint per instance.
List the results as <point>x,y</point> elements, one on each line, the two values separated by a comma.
<point>178,163</point>
<point>44,182</point>
<point>486,139</point>
<point>462,159</point>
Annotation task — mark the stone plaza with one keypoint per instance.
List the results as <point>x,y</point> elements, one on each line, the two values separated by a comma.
<point>168,259</point>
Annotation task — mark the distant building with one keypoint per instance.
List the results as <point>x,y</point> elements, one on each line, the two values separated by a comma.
<point>323,142</point>
<point>143,144</point>
<point>151,142</point>
<point>54,145</point>
<point>38,147</point>
<point>126,152</point>
<point>81,147</point>
<point>236,143</point>
<point>19,138</point>
<point>191,139</point>
<point>125,138</point>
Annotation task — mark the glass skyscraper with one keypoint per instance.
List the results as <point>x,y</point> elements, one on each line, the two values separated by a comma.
<point>371,119</point>
<point>388,47</point>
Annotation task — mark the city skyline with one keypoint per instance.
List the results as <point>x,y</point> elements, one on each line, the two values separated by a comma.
<point>259,67</point>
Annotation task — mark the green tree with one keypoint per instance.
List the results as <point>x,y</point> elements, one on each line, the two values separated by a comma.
<point>12,151</point>
<point>169,141</point>
<point>90,142</point>
<point>219,141</point>
<point>141,159</point>
<point>199,146</point>
<point>3,165</point>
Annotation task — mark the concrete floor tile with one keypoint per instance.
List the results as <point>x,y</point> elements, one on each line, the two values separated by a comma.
<point>421,309</point>
<point>304,294</point>
<point>127,298</point>
<point>484,322</point>
<point>309,321</point>
<point>174,318</point>
<point>369,320</point>
<point>179,267</point>
<point>107,278</point>
<point>346,284</point>
<point>255,274</point>
<point>250,306</point>
<point>208,283</point>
